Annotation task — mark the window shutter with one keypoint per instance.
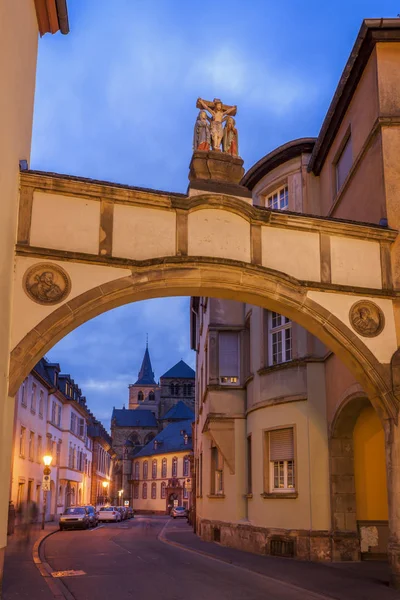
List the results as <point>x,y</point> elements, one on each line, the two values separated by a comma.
<point>281,446</point>
<point>228,354</point>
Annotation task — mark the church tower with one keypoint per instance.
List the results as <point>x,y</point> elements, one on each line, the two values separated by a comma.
<point>145,392</point>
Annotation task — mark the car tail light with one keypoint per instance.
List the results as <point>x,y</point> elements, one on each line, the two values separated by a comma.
<point>113,513</point>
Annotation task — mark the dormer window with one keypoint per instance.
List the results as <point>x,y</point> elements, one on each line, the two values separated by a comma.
<point>278,199</point>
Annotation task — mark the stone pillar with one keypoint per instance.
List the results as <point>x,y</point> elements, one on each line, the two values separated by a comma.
<point>392,446</point>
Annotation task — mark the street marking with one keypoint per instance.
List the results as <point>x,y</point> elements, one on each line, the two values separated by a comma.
<point>70,573</point>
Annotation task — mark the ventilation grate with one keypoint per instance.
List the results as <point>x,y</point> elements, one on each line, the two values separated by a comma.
<point>282,548</point>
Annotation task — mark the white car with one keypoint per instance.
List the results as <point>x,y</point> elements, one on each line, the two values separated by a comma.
<point>109,513</point>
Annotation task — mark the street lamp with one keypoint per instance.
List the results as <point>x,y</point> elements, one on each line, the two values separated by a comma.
<point>120,492</point>
<point>105,485</point>
<point>47,458</point>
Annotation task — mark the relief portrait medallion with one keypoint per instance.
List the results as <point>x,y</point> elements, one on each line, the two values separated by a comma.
<point>46,283</point>
<point>367,318</point>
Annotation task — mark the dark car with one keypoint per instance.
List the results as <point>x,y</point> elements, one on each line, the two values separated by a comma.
<point>75,517</point>
<point>129,511</point>
<point>93,518</point>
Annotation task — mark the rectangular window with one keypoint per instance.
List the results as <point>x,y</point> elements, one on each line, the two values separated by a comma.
<point>281,458</point>
<point>22,437</point>
<point>53,411</point>
<point>31,445</point>
<point>39,451</point>
<point>217,480</point>
<point>280,339</point>
<point>228,357</point>
<point>41,403</point>
<point>20,493</point>
<point>33,398</point>
<point>344,163</point>
<point>81,432</point>
<point>73,422</point>
<point>59,415</point>
<point>249,467</point>
<point>23,392</point>
<point>278,199</point>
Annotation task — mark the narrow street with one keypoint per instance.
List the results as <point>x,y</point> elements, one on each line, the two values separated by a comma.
<point>128,560</point>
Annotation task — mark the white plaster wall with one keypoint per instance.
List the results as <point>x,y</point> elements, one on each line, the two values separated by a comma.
<point>293,252</point>
<point>355,262</point>
<point>216,232</point>
<point>143,233</point>
<point>65,223</point>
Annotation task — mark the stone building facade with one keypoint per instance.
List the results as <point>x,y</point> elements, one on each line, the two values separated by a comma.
<point>290,453</point>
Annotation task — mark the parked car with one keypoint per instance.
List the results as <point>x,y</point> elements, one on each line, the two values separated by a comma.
<point>109,513</point>
<point>75,517</point>
<point>130,512</point>
<point>178,511</point>
<point>94,521</point>
<point>123,513</point>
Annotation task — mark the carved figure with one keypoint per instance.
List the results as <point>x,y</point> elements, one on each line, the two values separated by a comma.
<point>219,113</point>
<point>230,139</point>
<point>47,283</point>
<point>367,318</point>
<point>202,135</point>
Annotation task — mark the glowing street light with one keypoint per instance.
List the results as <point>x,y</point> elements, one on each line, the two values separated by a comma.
<point>120,493</point>
<point>47,458</point>
<point>105,485</point>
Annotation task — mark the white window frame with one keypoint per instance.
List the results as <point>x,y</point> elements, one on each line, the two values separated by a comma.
<point>33,398</point>
<point>279,330</point>
<point>278,199</point>
<point>281,468</point>
<point>23,393</point>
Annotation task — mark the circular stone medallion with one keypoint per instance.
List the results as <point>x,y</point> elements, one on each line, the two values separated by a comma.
<point>367,318</point>
<point>46,283</point>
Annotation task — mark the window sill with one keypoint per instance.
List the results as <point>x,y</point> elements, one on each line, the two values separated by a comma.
<point>215,496</point>
<point>33,411</point>
<point>248,495</point>
<point>280,495</point>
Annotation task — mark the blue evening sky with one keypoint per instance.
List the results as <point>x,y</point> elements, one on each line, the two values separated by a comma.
<point>115,100</point>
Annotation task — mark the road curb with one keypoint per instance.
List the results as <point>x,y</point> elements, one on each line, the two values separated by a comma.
<point>57,587</point>
<point>312,595</point>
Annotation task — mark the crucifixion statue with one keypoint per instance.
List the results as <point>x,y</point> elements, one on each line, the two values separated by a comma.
<point>219,113</point>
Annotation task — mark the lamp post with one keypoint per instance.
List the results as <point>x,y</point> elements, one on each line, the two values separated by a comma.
<point>47,458</point>
<point>105,485</point>
<point>120,493</point>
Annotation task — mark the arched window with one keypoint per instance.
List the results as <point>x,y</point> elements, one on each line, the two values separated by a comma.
<point>164,467</point>
<point>148,438</point>
<point>140,396</point>
<point>136,491</point>
<point>172,389</point>
<point>163,488</point>
<point>175,467</point>
<point>176,390</point>
<point>153,491</point>
<point>145,469</point>
<point>136,471</point>
<point>152,396</point>
<point>154,469</point>
<point>186,466</point>
<point>144,491</point>
<point>185,492</point>
<point>134,438</point>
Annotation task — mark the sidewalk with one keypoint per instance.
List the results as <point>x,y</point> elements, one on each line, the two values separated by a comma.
<point>22,579</point>
<point>342,581</point>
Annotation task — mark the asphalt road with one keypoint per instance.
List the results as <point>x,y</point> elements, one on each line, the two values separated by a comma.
<point>127,560</point>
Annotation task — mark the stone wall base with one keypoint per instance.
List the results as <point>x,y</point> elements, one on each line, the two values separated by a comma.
<point>294,543</point>
<point>149,512</point>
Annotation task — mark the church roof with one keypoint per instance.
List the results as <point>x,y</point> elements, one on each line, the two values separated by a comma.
<point>179,412</point>
<point>146,375</point>
<point>170,439</point>
<point>133,418</point>
<point>179,371</point>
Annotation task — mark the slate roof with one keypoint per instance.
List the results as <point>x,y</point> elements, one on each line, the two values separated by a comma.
<point>179,412</point>
<point>170,439</point>
<point>179,371</point>
<point>41,368</point>
<point>146,375</point>
<point>133,418</point>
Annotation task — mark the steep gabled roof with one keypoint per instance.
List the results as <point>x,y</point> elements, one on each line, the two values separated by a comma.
<point>133,418</point>
<point>170,439</point>
<point>146,375</point>
<point>179,371</point>
<point>179,412</point>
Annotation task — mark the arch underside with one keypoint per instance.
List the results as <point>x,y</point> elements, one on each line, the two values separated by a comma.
<point>183,276</point>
